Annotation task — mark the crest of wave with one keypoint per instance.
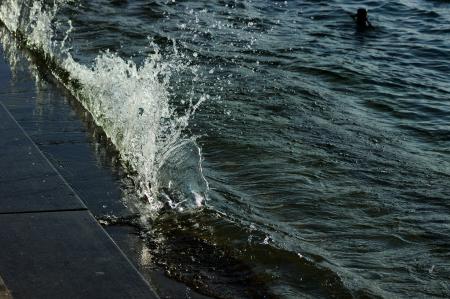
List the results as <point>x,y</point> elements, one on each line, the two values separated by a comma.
<point>32,19</point>
<point>131,103</point>
<point>9,13</point>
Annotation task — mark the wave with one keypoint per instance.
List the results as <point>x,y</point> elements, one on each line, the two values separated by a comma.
<point>130,102</point>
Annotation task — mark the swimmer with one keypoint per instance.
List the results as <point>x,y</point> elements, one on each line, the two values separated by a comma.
<point>361,19</point>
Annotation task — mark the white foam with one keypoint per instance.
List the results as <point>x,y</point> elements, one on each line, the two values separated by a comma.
<point>131,103</point>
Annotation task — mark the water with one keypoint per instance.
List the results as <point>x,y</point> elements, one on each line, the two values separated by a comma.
<point>276,150</point>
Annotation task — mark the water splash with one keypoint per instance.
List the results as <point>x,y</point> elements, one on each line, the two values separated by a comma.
<point>130,102</point>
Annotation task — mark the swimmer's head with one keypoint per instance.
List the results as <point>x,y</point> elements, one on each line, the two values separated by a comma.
<point>361,13</point>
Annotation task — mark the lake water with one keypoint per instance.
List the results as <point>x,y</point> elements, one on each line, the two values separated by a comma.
<point>274,149</point>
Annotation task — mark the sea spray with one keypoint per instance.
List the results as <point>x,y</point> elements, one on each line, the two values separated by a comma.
<point>130,102</point>
<point>10,14</point>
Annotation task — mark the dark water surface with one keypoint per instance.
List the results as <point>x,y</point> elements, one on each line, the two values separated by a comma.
<point>325,149</point>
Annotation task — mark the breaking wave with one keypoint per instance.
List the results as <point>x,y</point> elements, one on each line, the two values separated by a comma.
<point>130,101</point>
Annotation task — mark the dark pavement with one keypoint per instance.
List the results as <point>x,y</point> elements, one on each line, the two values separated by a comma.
<point>50,244</point>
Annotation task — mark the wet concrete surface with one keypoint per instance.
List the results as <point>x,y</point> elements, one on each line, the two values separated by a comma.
<point>64,255</point>
<point>28,182</point>
<point>50,119</point>
<point>51,246</point>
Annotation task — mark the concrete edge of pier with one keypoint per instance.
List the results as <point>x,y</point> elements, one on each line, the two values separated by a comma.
<point>51,245</point>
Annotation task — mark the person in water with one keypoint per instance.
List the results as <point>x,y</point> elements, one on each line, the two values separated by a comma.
<point>361,19</point>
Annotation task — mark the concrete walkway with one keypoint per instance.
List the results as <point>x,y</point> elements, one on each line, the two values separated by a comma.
<point>50,244</point>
